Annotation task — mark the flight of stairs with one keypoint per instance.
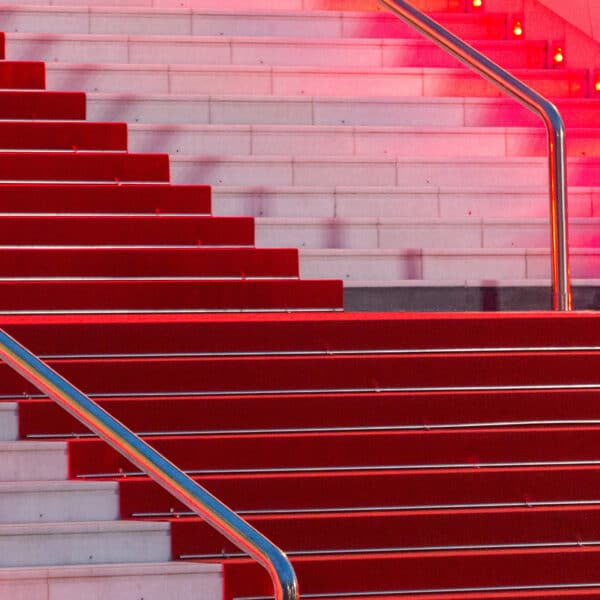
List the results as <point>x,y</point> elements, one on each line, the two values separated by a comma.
<point>346,135</point>
<point>410,456</point>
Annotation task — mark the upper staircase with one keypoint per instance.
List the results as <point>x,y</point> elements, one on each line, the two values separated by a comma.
<point>346,135</point>
<point>437,457</point>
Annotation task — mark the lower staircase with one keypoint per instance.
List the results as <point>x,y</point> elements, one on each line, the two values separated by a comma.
<point>448,456</point>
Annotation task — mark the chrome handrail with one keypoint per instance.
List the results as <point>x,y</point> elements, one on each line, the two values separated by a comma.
<point>154,464</point>
<point>561,282</point>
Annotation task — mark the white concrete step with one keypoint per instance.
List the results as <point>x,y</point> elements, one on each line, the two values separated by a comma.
<point>354,141</point>
<point>96,542</point>
<point>321,110</point>
<point>391,233</point>
<point>55,501</point>
<point>9,421</point>
<point>226,50</point>
<point>394,202</point>
<point>150,581</point>
<point>235,22</point>
<point>354,5</point>
<point>469,267</point>
<point>33,461</point>
<point>373,171</point>
<point>300,81</point>
<point>230,170</point>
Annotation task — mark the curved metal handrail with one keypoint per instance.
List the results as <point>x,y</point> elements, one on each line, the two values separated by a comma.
<point>151,462</point>
<point>561,283</point>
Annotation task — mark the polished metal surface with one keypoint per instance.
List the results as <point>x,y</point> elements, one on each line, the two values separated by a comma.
<point>341,429</point>
<point>330,391</point>
<point>153,464</point>
<point>328,352</point>
<point>475,60</point>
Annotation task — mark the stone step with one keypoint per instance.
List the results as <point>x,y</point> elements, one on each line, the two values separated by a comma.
<point>226,50</point>
<point>235,22</point>
<point>322,110</point>
<point>392,233</point>
<point>347,5</point>
<point>150,581</point>
<point>95,542</point>
<point>469,267</point>
<point>9,422</point>
<point>229,170</point>
<point>33,461</point>
<point>300,81</point>
<point>354,141</point>
<point>394,202</point>
<point>58,501</point>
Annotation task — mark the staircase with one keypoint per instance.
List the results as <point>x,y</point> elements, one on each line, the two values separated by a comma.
<point>435,456</point>
<point>345,135</point>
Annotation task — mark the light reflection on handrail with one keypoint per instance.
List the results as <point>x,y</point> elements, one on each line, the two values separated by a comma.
<point>156,466</point>
<point>472,58</point>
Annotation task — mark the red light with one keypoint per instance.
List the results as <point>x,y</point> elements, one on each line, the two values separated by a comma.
<point>559,56</point>
<point>517,29</point>
<point>597,84</point>
<point>477,3</point>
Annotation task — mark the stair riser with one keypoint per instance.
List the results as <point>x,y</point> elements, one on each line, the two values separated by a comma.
<point>22,75</point>
<point>9,422</point>
<point>152,582</point>
<point>87,547</point>
<point>63,136</point>
<point>244,23</point>
<point>42,105</point>
<point>194,262</point>
<point>24,166</point>
<point>391,235</point>
<point>366,5</point>
<point>331,111</point>
<point>163,334</point>
<point>124,230</point>
<point>122,198</point>
<point>54,503</point>
<point>399,489</point>
<point>289,373</point>
<point>316,411</point>
<point>262,52</point>
<point>372,171</point>
<point>285,171</point>
<point>405,530</point>
<point>298,81</point>
<point>422,572</point>
<point>38,463</point>
<point>181,296</point>
<point>351,450</point>
<point>345,141</point>
<point>396,203</point>
<point>455,267</point>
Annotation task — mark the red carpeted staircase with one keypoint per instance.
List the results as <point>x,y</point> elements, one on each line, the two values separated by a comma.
<point>413,456</point>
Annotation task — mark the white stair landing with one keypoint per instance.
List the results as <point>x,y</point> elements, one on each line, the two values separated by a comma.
<point>150,581</point>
